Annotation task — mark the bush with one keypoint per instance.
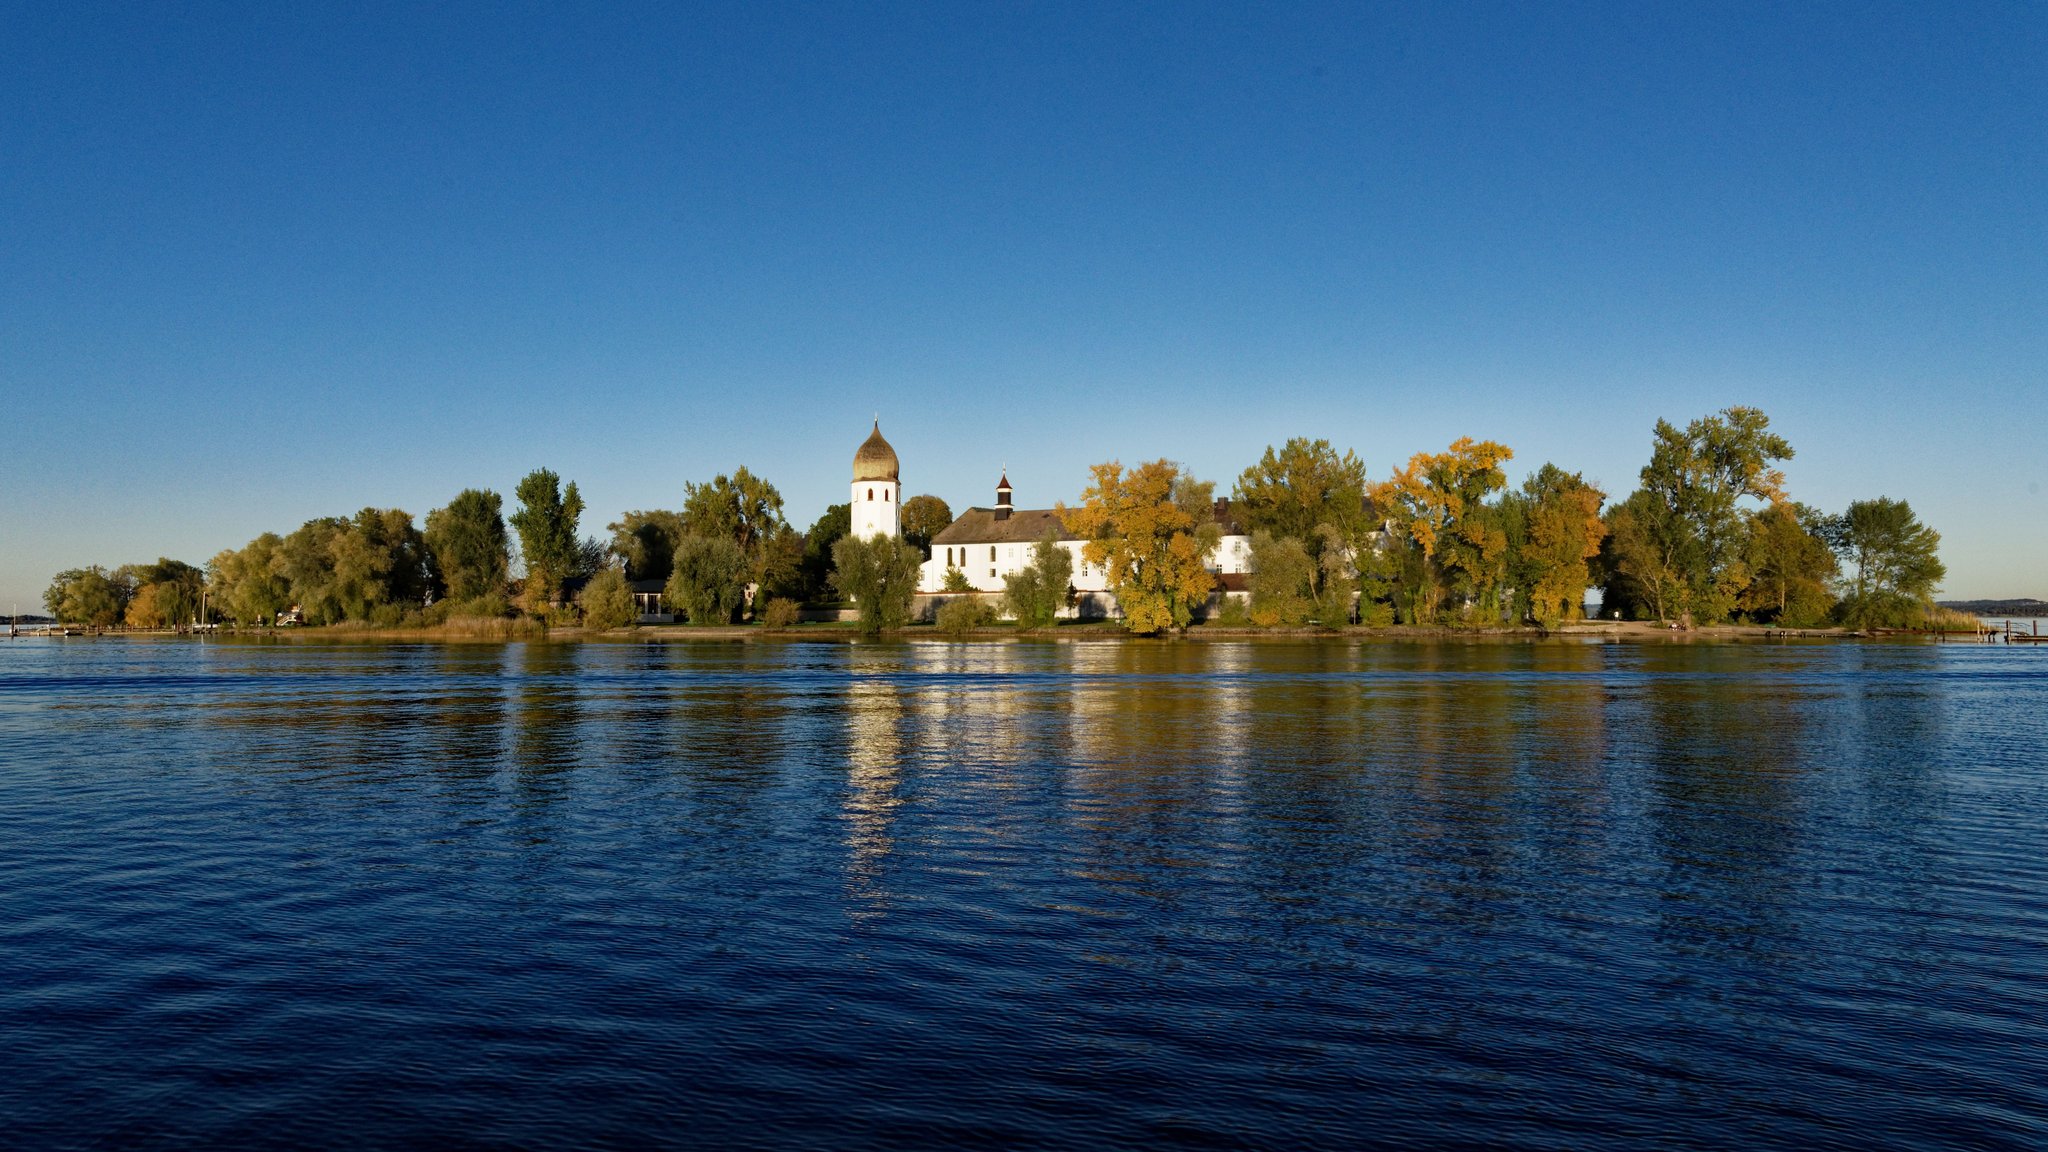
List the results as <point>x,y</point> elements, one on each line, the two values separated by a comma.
<point>779,613</point>
<point>963,615</point>
<point>558,615</point>
<point>397,616</point>
<point>1881,610</point>
<point>607,601</point>
<point>1232,613</point>
<point>1336,609</point>
<point>491,605</point>
<point>956,581</point>
<point>1376,614</point>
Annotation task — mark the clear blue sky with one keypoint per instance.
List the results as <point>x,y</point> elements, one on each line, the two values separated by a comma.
<point>265,263</point>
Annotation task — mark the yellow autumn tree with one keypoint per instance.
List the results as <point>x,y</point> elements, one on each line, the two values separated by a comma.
<point>1564,533</point>
<point>1152,530</point>
<point>1438,503</point>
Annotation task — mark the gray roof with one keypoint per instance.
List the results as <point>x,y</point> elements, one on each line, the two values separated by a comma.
<point>980,526</point>
<point>1028,525</point>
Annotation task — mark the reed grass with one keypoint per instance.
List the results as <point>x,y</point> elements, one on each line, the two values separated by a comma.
<point>1939,619</point>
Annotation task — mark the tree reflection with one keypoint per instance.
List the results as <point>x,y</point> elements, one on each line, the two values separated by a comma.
<point>544,738</point>
<point>1723,732</point>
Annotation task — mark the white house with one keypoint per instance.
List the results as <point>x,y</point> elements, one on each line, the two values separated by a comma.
<point>987,545</point>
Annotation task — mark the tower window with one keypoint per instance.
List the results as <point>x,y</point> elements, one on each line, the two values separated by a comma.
<point>871,493</point>
<point>885,495</point>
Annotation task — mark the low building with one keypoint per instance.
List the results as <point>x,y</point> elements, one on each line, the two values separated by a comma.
<point>987,545</point>
<point>647,602</point>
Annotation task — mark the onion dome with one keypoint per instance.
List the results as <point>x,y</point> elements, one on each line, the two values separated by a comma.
<point>875,460</point>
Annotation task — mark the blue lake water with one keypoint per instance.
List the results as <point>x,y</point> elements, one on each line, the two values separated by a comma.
<point>1267,895</point>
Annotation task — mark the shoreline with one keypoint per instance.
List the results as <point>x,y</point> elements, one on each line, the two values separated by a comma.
<point>1581,631</point>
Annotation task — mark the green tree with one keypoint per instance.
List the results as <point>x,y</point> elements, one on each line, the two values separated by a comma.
<point>378,559</point>
<point>778,570</point>
<point>546,523</point>
<point>1698,528</point>
<point>707,579</point>
<point>469,546</point>
<point>1640,561</point>
<point>1035,593</point>
<point>1282,581</point>
<point>879,574</point>
<point>747,510</point>
<point>1791,568</point>
<point>1897,560</point>
<point>1308,492</point>
<point>816,570</point>
<point>248,584</point>
<point>1389,573</point>
<point>742,508</point>
<point>306,560</point>
<point>923,518</point>
<point>646,542</point>
<point>1152,529</point>
<point>89,596</point>
<point>606,601</point>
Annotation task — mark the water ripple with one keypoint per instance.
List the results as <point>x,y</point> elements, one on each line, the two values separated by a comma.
<point>1260,895</point>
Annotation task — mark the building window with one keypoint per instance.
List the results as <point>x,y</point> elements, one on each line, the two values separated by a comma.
<point>991,557</point>
<point>885,495</point>
<point>871,494</point>
<point>991,572</point>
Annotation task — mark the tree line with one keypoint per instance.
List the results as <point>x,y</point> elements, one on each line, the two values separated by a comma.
<point>1709,535</point>
<point>472,559</point>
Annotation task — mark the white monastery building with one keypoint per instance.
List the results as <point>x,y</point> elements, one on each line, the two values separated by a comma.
<point>987,545</point>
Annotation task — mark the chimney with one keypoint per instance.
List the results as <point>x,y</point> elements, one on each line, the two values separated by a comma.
<point>1003,496</point>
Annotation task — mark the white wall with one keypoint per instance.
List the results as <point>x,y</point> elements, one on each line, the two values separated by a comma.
<point>875,508</point>
<point>986,573</point>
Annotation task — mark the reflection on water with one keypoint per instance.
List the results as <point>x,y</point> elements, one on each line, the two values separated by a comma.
<point>874,763</point>
<point>1064,894</point>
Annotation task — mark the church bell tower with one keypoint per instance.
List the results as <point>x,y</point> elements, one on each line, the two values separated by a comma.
<point>877,495</point>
